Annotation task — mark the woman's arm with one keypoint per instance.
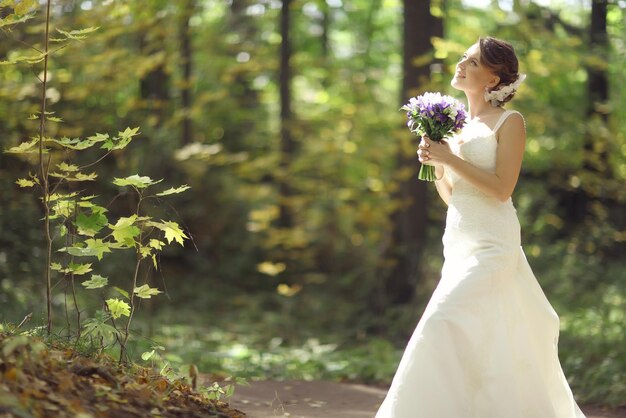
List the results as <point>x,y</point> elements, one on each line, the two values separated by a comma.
<point>509,156</point>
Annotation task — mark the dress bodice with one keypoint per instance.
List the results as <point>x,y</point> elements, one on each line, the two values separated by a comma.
<point>477,144</point>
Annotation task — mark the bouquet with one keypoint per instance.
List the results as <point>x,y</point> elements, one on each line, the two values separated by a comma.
<point>436,116</point>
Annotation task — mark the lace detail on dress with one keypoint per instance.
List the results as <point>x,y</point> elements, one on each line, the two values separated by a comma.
<point>476,144</point>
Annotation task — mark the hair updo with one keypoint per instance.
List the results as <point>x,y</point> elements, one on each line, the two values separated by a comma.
<point>499,57</point>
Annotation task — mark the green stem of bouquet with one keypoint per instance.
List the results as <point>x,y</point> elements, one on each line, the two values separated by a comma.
<point>427,173</point>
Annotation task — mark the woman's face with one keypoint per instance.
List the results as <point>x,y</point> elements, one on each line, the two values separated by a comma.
<point>471,75</point>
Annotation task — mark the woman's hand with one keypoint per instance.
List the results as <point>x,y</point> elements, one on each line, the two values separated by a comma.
<point>432,152</point>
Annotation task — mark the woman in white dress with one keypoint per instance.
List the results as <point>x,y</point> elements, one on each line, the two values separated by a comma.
<point>486,345</point>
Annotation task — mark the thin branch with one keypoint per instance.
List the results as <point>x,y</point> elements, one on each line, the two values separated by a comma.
<point>44,173</point>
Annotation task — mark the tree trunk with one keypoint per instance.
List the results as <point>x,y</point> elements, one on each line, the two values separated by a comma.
<point>186,61</point>
<point>595,147</point>
<point>246,98</point>
<point>153,86</point>
<point>287,143</point>
<point>409,221</point>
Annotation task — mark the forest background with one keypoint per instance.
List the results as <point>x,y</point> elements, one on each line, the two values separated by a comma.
<point>313,249</point>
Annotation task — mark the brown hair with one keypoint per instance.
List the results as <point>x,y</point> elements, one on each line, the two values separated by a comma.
<point>499,57</point>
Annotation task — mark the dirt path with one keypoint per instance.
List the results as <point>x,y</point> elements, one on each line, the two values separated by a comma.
<point>298,399</point>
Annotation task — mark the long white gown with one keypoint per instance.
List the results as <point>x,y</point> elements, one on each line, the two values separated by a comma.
<point>486,345</point>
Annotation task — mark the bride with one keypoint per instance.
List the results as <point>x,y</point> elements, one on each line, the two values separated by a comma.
<point>486,345</point>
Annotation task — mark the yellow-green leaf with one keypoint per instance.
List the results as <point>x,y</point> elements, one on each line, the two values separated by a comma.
<point>156,244</point>
<point>121,291</point>
<point>78,33</point>
<point>124,231</point>
<point>25,183</point>
<point>146,292</point>
<point>67,167</point>
<point>135,180</point>
<point>172,231</point>
<point>96,282</point>
<point>25,148</point>
<point>271,269</point>
<point>173,190</point>
<point>145,251</point>
<point>118,307</point>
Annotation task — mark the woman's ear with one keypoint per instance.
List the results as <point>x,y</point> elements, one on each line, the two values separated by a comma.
<point>494,82</point>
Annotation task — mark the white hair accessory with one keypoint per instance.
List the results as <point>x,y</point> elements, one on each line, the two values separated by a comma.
<point>496,97</point>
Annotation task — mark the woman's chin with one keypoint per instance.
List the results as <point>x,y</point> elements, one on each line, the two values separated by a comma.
<point>455,83</point>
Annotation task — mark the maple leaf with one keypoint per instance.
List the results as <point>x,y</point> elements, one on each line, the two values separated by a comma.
<point>67,167</point>
<point>91,248</point>
<point>77,269</point>
<point>118,307</point>
<point>90,224</point>
<point>96,282</point>
<point>172,231</point>
<point>173,190</point>
<point>136,180</point>
<point>124,232</point>
<point>24,183</point>
<point>156,244</point>
<point>146,292</point>
<point>78,33</point>
<point>25,148</point>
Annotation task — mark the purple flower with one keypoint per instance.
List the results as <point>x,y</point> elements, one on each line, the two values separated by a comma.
<point>436,116</point>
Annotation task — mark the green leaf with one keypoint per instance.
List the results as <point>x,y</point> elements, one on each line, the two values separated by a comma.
<point>25,148</point>
<point>97,247</point>
<point>98,138</point>
<point>146,292</point>
<point>24,183</point>
<point>146,356</point>
<point>98,327</point>
<point>78,33</point>
<point>63,208</point>
<point>67,167</point>
<point>24,6</point>
<point>58,196</point>
<point>174,190</point>
<point>122,292</point>
<point>124,231</point>
<point>118,308</point>
<point>156,244</point>
<point>172,231</point>
<point>96,282</point>
<point>135,180</point>
<point>92,248</point>
<point>83,177</point>
<point>13,19</point>
<point>145,251</point>
<point>121,141</point>
<point>90,225</point>
<point>72,143</point>
<point>77,176</point>
<point>56,266</point>
<point>77,269</point>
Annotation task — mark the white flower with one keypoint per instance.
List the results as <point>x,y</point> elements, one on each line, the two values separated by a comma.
<point>499,95</point>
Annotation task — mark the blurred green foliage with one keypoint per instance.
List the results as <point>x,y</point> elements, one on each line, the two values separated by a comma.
<point>262,301</point>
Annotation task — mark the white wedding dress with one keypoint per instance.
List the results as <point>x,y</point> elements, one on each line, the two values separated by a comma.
<point>486,345</point>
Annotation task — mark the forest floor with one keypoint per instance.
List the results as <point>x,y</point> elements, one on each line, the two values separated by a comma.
<point>299,399</point>
<point>50,380</point>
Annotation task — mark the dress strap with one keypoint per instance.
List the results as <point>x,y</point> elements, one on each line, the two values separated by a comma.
<point>505,115</point>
